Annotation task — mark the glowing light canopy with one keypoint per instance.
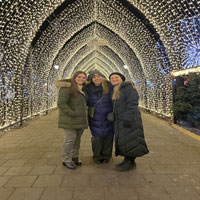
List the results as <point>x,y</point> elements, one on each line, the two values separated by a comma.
<point>42,41</point>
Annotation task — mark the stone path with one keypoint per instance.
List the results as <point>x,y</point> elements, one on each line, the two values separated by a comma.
<point>30,166</point>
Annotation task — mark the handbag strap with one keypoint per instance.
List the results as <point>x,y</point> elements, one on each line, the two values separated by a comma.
<point>99,101</point>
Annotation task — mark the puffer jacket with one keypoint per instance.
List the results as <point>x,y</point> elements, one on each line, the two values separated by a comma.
<point>129,135</point>
<point>72,109</point>
<point>99,124</point>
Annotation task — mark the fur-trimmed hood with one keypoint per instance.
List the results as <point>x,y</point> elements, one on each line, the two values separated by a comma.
<point>125,83</point>
<point>63,83</point>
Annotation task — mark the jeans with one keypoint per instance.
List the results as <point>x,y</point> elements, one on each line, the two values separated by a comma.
<point>71,144</point>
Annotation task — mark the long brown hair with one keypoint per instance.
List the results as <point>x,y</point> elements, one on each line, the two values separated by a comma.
<point>74,88</point>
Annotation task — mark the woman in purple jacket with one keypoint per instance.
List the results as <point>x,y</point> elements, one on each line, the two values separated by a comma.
<point>98,91</point>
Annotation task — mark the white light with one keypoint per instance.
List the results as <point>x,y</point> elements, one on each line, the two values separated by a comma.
<point>56,66</point>
<point>1,54</point>
<point>185,72</point>
<point>125,67</point>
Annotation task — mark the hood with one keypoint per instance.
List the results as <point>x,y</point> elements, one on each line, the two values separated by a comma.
<point>63,83</point>
<point>105,87</point>
<point>125,83</point>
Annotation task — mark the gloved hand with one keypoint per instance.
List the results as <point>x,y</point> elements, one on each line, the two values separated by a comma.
<point>127,123</point>
<point>110,117</point>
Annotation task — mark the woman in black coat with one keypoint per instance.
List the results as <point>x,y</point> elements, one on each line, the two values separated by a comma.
<point>129,135</point>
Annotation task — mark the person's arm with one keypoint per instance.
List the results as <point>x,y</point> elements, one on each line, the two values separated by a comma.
<point>63,100</point>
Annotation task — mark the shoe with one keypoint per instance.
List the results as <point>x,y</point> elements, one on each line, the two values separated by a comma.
<point>77,161</point>
<point>98,161</point>
<point>132,159</point>
<point>121,163</point>
<point>69,165</point>
<point>105,160</point>
<point>125,166</point>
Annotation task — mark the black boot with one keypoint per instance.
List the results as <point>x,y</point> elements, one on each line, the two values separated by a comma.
<point>121,163</point>
<point>132,159</point>
<point>127,164</point>
<point>69,165</point>
<point>106,160</point>
<point>77,161</point>
<point>98,161</point>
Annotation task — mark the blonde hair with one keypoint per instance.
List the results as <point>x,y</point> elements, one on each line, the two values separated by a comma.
<point>105,86</point>
<point>116,92</point>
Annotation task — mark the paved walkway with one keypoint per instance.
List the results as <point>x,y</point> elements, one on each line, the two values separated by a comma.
<point>30,166</point>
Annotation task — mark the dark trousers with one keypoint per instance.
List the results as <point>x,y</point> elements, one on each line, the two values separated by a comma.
<point>102,147</point>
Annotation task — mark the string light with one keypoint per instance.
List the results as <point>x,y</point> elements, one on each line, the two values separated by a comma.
<point>185,71</point>
<point>28,73</point>
<point>56,66</point>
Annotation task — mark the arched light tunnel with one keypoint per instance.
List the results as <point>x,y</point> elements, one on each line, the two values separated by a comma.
<point>42,41</point>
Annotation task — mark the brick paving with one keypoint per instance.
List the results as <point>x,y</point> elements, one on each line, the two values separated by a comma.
<point>30,166</point>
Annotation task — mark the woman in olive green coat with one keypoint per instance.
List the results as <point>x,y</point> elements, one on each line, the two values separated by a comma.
<point>72,116</point>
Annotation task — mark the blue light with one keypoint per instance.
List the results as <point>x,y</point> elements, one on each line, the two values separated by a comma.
<point>152,85</point>
<point>9,73</point>
<point>162,59</point>
<point>191,42</point>
<point>136,82</point>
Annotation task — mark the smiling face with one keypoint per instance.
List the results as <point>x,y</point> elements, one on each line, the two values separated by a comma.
<point>115,79</point>
<point>80,79</point>
<point>97,80</point>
